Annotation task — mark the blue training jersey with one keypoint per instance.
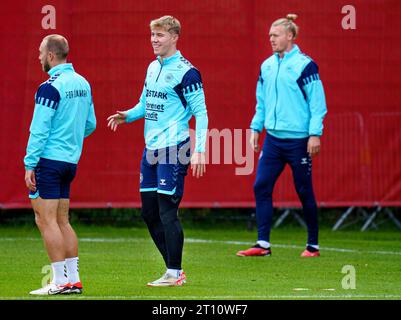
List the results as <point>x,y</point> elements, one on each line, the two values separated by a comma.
<point>172,93</point>
<point>64,115</point>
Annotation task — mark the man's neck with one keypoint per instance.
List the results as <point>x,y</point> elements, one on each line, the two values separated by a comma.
<point>50,72</point>
<point>58,63</point>
<point>288,49</point>
<point>169,54</point>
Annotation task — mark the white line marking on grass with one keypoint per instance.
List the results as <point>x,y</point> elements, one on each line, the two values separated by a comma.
<point>300,289</point>
<point>286,246</point>
<point>168,297</point>
<point>191,240</point>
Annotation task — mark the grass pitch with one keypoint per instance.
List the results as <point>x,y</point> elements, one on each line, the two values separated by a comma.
<point>116,263</point>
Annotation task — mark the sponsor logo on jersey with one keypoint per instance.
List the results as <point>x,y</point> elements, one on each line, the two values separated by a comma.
<point>153,116</point>
<point>156,94</point>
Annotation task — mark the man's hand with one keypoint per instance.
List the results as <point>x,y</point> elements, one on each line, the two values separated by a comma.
<point>313,145</point>
<point>198,164</point>
<point>254,141</point>
<point>30,180</point>
<point>116,119</point>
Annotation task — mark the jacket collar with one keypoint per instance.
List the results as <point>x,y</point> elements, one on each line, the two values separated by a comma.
<point>295,49</point>
<point>174,57</point>
<point>60,68</point>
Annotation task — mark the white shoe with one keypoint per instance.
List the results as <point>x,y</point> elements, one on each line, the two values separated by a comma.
<point>51,289</point>
<point>169,281</point>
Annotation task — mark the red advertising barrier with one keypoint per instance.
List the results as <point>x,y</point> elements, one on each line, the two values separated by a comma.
<point>227,40</point>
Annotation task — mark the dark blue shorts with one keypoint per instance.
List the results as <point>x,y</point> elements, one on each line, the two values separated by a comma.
<point>53,179</point>
<point>164,170</point>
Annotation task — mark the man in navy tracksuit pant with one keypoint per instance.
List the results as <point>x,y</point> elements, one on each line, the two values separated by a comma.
<point>291,106</point>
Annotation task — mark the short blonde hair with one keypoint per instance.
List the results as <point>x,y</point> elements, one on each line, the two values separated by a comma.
<point>169,23</point>
<point>288,24</point>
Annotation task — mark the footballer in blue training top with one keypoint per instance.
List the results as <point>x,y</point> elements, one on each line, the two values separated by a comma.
<point>172,93</point>
<point>291,106</point>
<point>64,115</point>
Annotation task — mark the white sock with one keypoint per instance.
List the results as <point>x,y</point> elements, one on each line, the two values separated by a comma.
<point>313,246</point>
<point>263,244</point>
<point>174,272</point>
<point>59,277</point>
<point>72,269</point>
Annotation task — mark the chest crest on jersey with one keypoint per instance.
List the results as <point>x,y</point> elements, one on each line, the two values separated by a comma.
<point>168,78</point>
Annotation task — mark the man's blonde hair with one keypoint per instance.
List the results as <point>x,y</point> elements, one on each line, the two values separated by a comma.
<point>288,24</point>
<point>169,23</point>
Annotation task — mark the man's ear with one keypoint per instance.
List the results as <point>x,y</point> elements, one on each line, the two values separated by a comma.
<point>51,56</point>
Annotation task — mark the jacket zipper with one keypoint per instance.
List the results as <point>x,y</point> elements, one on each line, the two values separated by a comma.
<point>161,67</point>
<point>275,106</point>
